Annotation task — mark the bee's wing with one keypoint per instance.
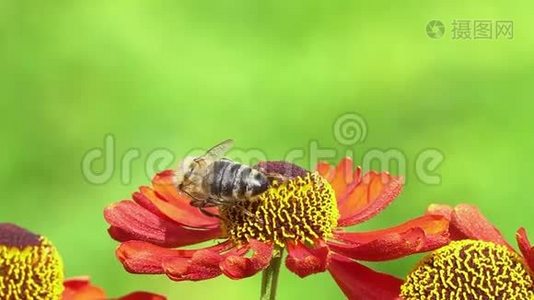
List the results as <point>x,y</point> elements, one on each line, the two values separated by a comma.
<point>217,152</point>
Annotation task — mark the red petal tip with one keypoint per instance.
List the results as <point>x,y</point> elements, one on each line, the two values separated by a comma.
<point>304,261</point>
<point>467,220</point>
<point>359,282</point>
<point>237,266</point>
<point>525,247</point>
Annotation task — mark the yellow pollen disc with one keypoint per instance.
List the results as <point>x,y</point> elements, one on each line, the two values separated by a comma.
<point>300,209</point>
<point>470,270</point>
<point>33,272</point>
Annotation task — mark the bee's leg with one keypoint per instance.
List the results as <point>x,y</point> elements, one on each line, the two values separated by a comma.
<point>232,203</point>
<point>194,203</point>
<point>250,214</point>
<point>208,213</point>
<point>212,202</point>
<point>202,205</point>
<point>197,202</point>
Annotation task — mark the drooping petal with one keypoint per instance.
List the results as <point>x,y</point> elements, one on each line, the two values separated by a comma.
<point>145,258</point>
<point>467,222</point>
<point>303,260</point>
<point>526,248</point>
<point>386,247</point>
<point>204,264</point>
<point>369,197</point>
<point>129,221</point>
<point>237,266</point>
<point>361,283</point>
<point>80,288</point>
<point>417,235</point>
<point>446,211</point>
<point>435,228</point>
<point>141,296</point>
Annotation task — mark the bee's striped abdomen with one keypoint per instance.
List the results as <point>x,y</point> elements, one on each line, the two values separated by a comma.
<point>233,181</point>
<point>227,179</point>
<point>222,178</point>
<point>240,183</point>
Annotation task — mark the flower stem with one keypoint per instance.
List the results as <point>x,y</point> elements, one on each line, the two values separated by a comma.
<point>269,278</point>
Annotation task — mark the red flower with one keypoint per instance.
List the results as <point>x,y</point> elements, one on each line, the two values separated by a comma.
<point>467,222</point>
<point>31,268</point>
<point>478,264</point>
<point>304,215</point>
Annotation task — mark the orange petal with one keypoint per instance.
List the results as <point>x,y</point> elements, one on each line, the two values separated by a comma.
<point>130,221</point>
<point>385,247</point>
<point>142,296</point>
<point>343,177</point>
<point>325,170</point>
<point>417,235</point>
<point>432,225</point>
<point>374,193</point>
<point>204,264</point>
<point>175,207</point>
<point>80,288</point>
<point>144,258</point>
<point>166,191</point>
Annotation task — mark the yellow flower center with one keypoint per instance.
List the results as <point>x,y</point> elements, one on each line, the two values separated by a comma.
<point>470,270</point>
<point>30,266</point>
<point>301,209</point>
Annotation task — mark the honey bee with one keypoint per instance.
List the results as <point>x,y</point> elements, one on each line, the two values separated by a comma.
<point>213,181</point>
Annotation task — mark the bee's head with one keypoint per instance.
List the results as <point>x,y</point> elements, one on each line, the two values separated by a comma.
<point>185,170</point>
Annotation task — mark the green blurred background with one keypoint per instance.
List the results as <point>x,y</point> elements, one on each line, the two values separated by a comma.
<point>272,75</point>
